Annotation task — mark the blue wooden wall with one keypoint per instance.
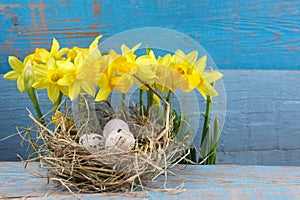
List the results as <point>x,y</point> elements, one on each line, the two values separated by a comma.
<point>262,124</point>
<point>260,34</point>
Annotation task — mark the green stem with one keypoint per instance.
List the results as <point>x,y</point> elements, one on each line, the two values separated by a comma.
<point>149,101</point>
<point>206,124</point>
<point>168,99</point>
<point>123,100</point>
<point>31,94</point>
<point>193,154</point>
<point>57,103</point>
<point>141,102</point>
<point>206,118</point>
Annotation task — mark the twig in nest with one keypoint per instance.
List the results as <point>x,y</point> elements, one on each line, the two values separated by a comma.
<point>167,128</point>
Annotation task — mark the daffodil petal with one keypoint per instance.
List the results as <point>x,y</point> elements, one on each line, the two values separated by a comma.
<point>66,80</point>
<point>103,94</point>
<point>54,47</point>
<point>122,84</point>
<point>136,47</point>
<point>125,50</point>
<point>61,52</point>
<point>20,84</point>
<point>207,89</point>
<point>79,59</point>
<point>64,90</point>
<point>211,90</point>
<point>94,44</point>
<point>203,94</point>
<point>103,81</point>
<point>178,57</point>
<point>12,75</point>
<point>74,90</point>
<point>201,64</point>
<point>51,63</point>
<point>156,99</point>
<point>192,57</point>
<point>40,84</point>
<point>212,76</point>
<point>53,92</point>
<point>15,63</point>
<point>40,70</point>
<point>165,60</point>
<point>88,87</point>
<point>65,66</point>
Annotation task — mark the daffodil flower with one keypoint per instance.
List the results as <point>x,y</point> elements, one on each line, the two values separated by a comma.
<point>110,79</point>
<point>18,71</point>
<point>207,78</point>
<point>23,73</point>
<point>72,53</point>
<point>83,74</point>
<point>117,73</point>
<point>82,71</point>
<point>146,71</point>
<point>49,78</point>
<point>41,54</point>
<point>193,71</point>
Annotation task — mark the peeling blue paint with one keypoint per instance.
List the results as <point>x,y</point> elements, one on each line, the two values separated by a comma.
<point>238,35</point>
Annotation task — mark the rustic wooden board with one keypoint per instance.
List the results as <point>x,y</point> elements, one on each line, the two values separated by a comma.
<point>262,34</point>
<point>194,182</point>
<point>261,127</point>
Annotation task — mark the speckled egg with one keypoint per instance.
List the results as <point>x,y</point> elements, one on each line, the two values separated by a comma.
<point>120,139</point>
<point>114,124</point>
<point>91,141</point>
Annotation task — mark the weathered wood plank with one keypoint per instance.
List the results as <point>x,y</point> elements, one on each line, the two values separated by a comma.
<point>238,35</point>
<point>208,182</point>
<point>261,125</point>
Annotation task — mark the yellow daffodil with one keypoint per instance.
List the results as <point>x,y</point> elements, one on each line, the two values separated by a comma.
<point>207,78</point>
<point>105,84</point>
<point>167,78</point>
<point>41,54</point>
<point>184,65</point>
<point>18,71</point>
<point>129,53</point>
<point>72,53</point>
<point>82,71</point>
<point>193,71</point>
<point>83,74</point>
<point>125,62</point>
<point>118,72</point>
<point>110,79</point>
<point>146,71</point>
<point>49,78</point>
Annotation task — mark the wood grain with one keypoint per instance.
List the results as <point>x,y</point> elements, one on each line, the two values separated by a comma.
<point>194,182</point>
<point>238,35</point>
<point>261,125</point>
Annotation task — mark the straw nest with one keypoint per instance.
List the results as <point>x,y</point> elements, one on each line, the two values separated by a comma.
<point>78,169</point>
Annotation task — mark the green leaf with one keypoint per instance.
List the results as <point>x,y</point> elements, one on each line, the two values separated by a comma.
<point>216,130</point>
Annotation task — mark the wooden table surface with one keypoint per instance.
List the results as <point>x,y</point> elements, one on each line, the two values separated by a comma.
<point>193,182</point>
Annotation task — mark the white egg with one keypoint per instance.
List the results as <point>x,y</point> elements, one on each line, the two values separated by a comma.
<point>114,124</point>
<point>91,141</point>
<point>121,139</point>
